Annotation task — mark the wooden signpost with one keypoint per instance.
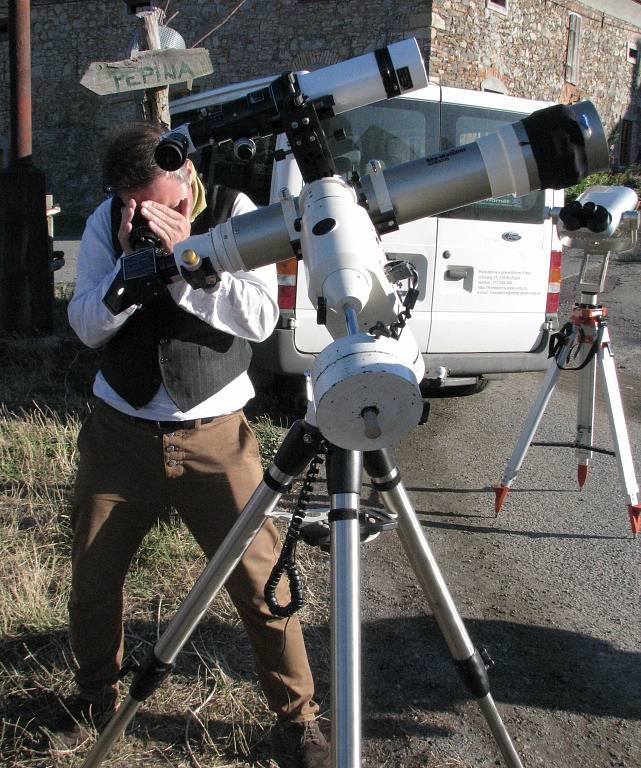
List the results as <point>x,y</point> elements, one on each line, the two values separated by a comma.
<point>152,69</point>
<point>147,69</point>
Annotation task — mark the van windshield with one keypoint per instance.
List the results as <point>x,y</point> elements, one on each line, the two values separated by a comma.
<point>461,124</point>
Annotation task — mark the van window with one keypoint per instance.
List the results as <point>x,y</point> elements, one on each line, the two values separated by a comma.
<point>219,165</point>
<point>393,131</point>
<point>463,124</point>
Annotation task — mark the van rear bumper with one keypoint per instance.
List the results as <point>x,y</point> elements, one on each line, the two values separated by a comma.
<point>278,355</point>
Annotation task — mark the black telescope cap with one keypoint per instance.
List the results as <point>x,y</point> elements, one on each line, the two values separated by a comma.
<point>172,151</point>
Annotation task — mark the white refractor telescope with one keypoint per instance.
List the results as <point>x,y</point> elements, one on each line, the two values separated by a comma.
<point>366,383</point>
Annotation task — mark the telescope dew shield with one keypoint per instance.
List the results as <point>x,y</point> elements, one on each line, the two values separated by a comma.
<point>568,143</point>
<point>375,76</point>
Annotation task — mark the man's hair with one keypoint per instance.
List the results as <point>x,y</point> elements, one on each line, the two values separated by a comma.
<point>129,164</point>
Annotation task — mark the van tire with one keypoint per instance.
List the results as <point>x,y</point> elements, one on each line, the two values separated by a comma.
<point>428,389</point>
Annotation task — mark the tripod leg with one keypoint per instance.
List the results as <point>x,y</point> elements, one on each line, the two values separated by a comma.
<point>585,419</point>
<point>619,432</point>
<point>344,477</point>
<point>532,422</point>
<point>386,478</point>
<point>296,451</point>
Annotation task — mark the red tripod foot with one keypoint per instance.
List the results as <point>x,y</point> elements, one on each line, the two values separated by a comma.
<point>582,474</point>
<point>634,510</point>
<point>500,492</point>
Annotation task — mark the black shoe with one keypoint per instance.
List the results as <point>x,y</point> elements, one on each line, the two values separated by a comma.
<point>301,745</point>
<point>81,720</point>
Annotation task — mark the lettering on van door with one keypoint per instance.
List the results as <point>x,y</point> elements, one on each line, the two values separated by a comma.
<point>499,282</point>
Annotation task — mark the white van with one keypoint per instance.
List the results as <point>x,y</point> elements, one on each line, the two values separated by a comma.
<point>489,272</point>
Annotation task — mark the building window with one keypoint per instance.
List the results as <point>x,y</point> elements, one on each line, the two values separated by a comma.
<point>625,145</point>
<point>502,6</point>
<point>4,30</point>
<point>633,52</point>
<point>574,46</point>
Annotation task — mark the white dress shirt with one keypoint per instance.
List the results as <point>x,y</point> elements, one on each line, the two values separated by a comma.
<point>243,304</point>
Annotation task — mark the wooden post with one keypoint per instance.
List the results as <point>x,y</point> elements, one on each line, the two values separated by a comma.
<point>157,98</point>
<point>26,282</point>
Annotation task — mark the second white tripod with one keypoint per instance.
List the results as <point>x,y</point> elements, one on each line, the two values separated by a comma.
<point>593,224</point>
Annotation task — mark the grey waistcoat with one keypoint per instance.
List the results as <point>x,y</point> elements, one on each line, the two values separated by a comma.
<point>161,343</point>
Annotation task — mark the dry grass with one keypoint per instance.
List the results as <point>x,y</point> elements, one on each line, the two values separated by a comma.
<point>210,712</point>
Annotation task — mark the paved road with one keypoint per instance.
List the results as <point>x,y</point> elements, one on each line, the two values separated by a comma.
<point>67,274</point>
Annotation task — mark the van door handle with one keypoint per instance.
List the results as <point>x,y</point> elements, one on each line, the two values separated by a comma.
<point>466,274</point>
<point>458,273</point>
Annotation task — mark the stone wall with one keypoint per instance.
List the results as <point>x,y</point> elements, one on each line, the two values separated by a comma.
<point>463,43</point>
<point>526,50</point>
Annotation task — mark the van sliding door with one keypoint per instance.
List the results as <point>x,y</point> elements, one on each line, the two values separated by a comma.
<point>492,258</point>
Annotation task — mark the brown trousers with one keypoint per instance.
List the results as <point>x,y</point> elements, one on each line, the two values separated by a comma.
<point>129,471</point>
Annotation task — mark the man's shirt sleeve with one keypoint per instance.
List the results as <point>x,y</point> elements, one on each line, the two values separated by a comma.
<point>96,269</point>
<point>243,303</point>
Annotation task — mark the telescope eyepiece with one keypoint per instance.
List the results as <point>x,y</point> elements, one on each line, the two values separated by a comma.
<point>597,218</point>
<point>572,215</point>
<point>589,215</point>
<point>172,151</point>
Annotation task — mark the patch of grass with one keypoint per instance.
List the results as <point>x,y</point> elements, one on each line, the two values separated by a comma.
<point>211,711</point>
<point>630,177</point>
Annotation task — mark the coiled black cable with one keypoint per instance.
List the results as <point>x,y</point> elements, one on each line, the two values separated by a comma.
<point>286,563</point>
<point>562,337</point>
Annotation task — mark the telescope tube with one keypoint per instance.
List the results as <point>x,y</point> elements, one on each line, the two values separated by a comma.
<point>551,148</point>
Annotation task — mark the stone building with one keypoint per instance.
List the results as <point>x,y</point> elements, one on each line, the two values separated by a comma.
<point>558,50</point>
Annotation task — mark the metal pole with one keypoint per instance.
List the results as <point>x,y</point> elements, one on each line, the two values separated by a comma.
<point>20,76</point>
<point>344,474</point>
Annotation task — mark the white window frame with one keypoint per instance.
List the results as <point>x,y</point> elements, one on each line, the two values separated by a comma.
<point>633,45</point>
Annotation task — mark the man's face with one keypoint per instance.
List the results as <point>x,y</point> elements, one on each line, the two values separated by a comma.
<point>168,190</point>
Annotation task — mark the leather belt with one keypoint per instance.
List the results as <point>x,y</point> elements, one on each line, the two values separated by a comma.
<point>172,426</point>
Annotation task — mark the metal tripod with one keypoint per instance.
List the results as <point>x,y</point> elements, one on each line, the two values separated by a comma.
<point>344,478</point>
<point>587,331</point>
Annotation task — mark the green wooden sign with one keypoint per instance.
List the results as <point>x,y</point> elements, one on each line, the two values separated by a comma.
<point>147,69</point>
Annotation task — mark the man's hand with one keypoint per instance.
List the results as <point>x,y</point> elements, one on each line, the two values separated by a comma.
<point>170,224</point>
